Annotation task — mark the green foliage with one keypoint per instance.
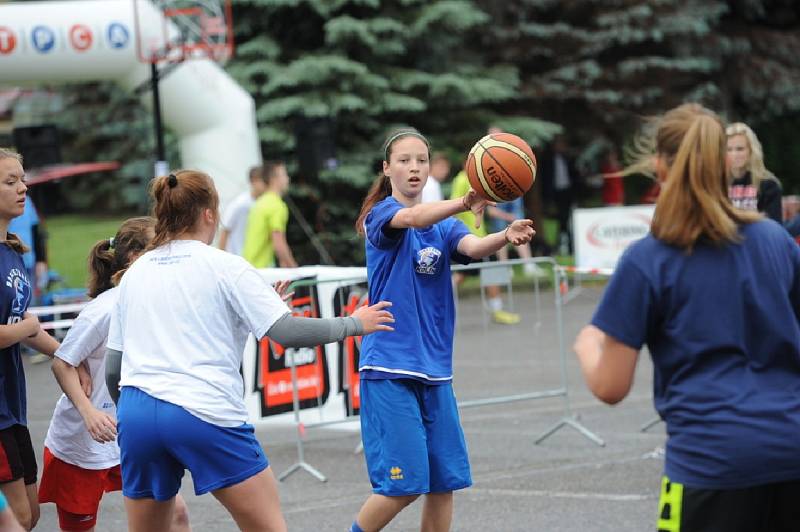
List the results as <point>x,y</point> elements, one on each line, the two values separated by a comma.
<point>453,67</point>
<point>368,66</point>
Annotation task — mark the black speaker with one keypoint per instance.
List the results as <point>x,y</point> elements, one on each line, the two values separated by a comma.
<point>39,145</point>
<point>315,146</point>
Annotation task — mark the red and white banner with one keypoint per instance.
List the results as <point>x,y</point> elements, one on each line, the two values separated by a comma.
<point>601,235</point>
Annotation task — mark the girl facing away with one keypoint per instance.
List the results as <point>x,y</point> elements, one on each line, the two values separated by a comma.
<point>714,292</point>
<point>182,319</point>
<point>413,441</point>
<point>81,455</point>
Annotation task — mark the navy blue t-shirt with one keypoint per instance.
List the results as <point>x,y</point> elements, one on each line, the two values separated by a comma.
<point>411,268</point>
<point>723,329</point>
<point>15,294</point>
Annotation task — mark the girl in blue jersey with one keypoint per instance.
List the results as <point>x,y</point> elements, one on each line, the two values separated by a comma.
<point>714,292</point>
<point>413,442</point>
<point>18,470</point>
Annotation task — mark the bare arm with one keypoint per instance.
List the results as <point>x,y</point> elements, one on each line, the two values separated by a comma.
<point>42,342</point>
<point>100,425</point>
<point>282,250</point>
<point>223,238</point>
<point>518,233</point>
<point>425,214</point>
<point>607,364</point>
<point>16,332</point>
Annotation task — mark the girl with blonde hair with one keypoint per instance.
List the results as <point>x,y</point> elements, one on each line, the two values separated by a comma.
<point>714,292</point>
<point>753,187</point>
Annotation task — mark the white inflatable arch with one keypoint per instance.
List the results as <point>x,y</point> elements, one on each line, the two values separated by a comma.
<point>91,40</point>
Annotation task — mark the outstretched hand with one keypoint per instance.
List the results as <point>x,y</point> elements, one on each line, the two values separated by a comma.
<point>520,232</point>
<point>374,318</point>
<point>477,204</point>
<point>281,287</point>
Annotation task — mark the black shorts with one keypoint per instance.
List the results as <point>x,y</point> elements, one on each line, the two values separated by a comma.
<point>17,459</point>
<point>767,508</point>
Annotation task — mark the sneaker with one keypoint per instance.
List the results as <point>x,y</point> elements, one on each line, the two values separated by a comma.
<point>532,270</point>
<point>505,318</point>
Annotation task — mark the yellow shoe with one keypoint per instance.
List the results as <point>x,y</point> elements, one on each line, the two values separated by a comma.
<point>505,318</point>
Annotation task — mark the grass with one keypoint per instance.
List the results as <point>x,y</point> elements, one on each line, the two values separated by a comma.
<point>70,238</point>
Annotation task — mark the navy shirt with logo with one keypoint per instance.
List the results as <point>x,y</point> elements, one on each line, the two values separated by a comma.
<point>723,329</point>
<point>411,268</point>
<point>14,299</point>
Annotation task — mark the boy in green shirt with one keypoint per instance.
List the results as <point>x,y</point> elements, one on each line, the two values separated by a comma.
<point>265,239</point>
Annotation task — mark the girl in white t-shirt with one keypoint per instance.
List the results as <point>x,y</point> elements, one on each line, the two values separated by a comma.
<point>184,313</point>
<point>81,456</point>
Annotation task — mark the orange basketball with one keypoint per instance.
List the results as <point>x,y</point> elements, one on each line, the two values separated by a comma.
<point>501,167</point>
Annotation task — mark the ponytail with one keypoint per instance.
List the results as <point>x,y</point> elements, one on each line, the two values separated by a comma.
<point>693,202</point>
<point>110,258</point>
<point>179,200</point>
<point>101,267</point>
<point>14,242</point>
<point>381,189</point>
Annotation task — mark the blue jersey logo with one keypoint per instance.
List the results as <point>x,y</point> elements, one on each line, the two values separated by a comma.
<point>428,260</point>
<point>22,291</point>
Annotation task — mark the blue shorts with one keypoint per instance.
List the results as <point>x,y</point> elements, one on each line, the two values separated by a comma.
<point>412,437</point>
<point>159,440</point>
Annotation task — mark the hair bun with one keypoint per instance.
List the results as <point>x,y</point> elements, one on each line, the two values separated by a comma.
<point>172,181</point>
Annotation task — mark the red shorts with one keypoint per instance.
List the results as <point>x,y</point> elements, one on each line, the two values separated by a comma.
<point>76,491</point>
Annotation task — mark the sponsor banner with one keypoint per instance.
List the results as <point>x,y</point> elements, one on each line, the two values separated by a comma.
<point>601,235</point>
<point>327,375</point>
<point>345,301</point>
<point>273,375</point>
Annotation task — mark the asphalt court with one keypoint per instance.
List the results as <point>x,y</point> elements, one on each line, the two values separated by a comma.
<point>566,483</point>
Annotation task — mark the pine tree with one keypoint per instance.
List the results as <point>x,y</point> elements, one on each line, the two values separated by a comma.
<point>368,65</point>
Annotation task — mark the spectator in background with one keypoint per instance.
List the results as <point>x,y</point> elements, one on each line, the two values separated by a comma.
<point>234,219</point>
<point>560,187</point>
<point>28,228</point>
<point>613,186</point>
<point>494,297</point>
<point>753,188</point>
<point>791,213</point>
<point>440,170</point>
<point>265,244</point>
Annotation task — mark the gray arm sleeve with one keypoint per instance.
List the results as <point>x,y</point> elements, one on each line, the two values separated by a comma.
<point>293,331</point>
<point>113,371</point>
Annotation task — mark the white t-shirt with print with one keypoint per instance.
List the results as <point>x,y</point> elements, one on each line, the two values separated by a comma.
<point>182,319</point>
<point>67,438</point>
<point>234,220</point>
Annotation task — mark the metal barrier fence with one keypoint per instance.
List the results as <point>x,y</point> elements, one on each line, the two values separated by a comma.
<point>578,275</point>
<point>491,274</point>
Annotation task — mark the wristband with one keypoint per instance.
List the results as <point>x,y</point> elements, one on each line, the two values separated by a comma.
<point>505,234</point>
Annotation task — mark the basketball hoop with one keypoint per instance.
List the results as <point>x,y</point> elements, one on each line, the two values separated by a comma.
<point>172,31</point>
